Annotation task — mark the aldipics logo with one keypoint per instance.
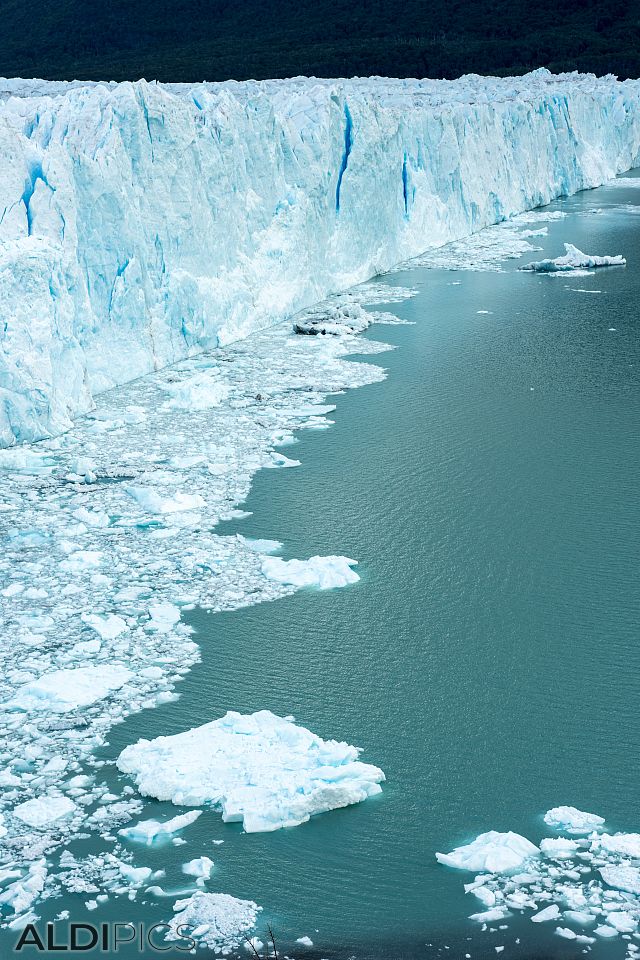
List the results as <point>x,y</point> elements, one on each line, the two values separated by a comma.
<point>105,938</point>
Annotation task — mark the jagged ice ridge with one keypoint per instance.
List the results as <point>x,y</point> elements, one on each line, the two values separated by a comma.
<point>143,223</point>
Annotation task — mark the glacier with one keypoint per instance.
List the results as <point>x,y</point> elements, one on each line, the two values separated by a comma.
<point>144,223</point>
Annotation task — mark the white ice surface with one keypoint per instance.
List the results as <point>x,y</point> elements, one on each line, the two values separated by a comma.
<point>565,884</point>
<point>573,821</point>
<point>492,851</point>
<point>142,223</point>
<point>148,831</point>
<point>259,769</point>
<point>216,920</point>
<point>199,867</point>
<point>322,572</point>
<point>42,811</point>
<point>574,261</point>
<point>64,690</point>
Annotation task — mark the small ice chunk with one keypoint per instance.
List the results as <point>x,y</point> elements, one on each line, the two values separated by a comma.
<point>262,546</point>
<point>559,848</point>
<point>493,852</point>
<point>153,502</point>
<point>135,875</point>
<point>146,831</point>
<point>322,572</point>
<point>549,913</point>
<point>199,867</point>
<point>42,811</point>
<point>606,931</point>
<point>625,844</point>
<point>260,769</point>
<point>80,560</point>
<point>305,941</point>
<point>489,916</point>
<point>566,932</point>
<point>108,627</point>
<point>164,617</point>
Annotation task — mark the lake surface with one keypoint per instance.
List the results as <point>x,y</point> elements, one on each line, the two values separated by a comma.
<point>488,660</point>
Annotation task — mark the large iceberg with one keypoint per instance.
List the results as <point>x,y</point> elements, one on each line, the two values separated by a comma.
<point>142,223</point>
<point>261,770</point>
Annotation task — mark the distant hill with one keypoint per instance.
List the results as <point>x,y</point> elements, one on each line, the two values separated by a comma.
<point>218,39</point>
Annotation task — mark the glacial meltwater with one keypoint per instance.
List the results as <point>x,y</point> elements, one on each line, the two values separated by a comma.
<point>489,659</point>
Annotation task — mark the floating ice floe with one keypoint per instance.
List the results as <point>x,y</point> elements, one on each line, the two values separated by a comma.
<point>573,821</point>
<point>108,627</point>
<point>622,877</point>
<point>589,882</point>
<point>200,867</point>
<point>148,831</point>
<point>215,920</point>
<point>573,260</point>
<point>153,502</point>
<point>64,690</point>
<point>492,851</point>
<point>42,811</point>
<point>259,769</point>
<point>325,573</point>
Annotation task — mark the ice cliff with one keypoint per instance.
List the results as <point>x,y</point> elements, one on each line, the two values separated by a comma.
<point>142,223</point>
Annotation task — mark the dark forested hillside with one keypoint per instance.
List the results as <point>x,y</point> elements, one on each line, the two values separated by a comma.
<point>218,39</point>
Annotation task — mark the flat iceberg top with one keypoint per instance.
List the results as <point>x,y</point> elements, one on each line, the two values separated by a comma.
<point>261,770</point>
<point>64,690</point>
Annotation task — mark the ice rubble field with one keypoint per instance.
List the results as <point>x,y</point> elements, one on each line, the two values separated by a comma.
<point>108,533</point>
<point>586,885</point>
<point>143,223</point>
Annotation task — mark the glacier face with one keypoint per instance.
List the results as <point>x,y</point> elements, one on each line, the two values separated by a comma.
<point>142,223</point>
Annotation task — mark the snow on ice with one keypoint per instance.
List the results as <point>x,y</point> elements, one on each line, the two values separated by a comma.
<point>259,769</point>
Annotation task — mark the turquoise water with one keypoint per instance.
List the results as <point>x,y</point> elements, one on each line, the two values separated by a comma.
<point>488,660</point>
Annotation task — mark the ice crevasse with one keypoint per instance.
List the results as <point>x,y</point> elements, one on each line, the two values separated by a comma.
<point>141,223</point>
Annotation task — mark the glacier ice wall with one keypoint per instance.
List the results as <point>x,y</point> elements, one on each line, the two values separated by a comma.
<point>142,223</point>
